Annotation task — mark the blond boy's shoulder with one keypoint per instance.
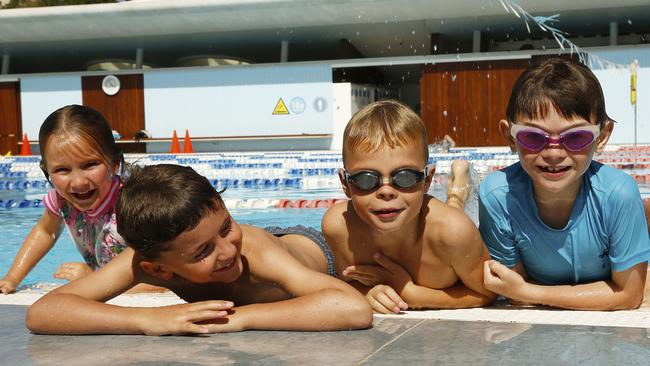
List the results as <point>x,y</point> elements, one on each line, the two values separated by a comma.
<point>447,226</point>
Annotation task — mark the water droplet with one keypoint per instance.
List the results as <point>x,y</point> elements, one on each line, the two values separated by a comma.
<point>413,31</point>
<point>442,22</point>
<point>444,113</point>
<point>629,21</point>
<point>435,47</point>
<point>453,77</point>
<point>453,128</point>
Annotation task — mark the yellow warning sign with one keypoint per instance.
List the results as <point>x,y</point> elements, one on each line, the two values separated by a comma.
<point>280,108</point>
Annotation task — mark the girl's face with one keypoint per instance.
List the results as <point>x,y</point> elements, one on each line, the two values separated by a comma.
<point>78,172</point>
<point>556,172</point>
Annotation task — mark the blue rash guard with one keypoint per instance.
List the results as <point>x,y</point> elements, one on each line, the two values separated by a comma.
<point>607,229</point>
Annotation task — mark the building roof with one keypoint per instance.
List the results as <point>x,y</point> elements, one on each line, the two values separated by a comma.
<point>70,36</point>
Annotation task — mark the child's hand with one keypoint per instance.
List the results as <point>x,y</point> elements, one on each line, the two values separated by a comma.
<point>388,272</point>
<point>385,300</point>
<point>502,280</point>
<point>7,286</point>
<point>72,270</point>
<point>368,274</point>
<point>180,319</point>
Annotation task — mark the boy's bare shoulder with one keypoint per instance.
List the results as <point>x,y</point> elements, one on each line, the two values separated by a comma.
<point>447,226</point>
<point>334,223</point>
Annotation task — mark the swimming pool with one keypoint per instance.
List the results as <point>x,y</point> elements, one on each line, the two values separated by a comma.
<point>255,186</point>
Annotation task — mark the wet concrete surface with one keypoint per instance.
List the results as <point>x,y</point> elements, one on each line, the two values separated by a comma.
<point>391,341</point>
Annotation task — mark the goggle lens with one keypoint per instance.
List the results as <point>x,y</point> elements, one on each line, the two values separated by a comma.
<point>573,140</point>
<point>371,180</point>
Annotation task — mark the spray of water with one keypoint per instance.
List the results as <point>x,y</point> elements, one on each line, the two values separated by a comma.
<point>546,24</point>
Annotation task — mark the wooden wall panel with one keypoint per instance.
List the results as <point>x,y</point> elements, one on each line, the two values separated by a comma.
<point>10,118</point>
<point>124,110</point>
<point>467,99</point>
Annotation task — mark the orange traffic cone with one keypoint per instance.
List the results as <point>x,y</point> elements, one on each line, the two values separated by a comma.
<point>25,149</point>
<point>176,146</point>
<point>187,144</point>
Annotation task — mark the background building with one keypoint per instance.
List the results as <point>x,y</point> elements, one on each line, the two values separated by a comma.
<point>280,74</point>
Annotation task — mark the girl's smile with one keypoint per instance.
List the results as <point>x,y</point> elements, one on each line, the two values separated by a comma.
<point>78,172</point>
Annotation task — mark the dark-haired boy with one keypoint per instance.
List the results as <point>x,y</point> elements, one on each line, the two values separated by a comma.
<point>182,237</point>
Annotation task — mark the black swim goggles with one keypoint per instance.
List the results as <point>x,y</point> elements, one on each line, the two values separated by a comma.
<point>369,180</point>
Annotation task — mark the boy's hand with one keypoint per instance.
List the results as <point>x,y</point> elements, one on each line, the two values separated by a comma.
<point>388,272</point>
<point>368,274</point>
<point>72,270</point>
<point>7,286</point>
<point>193,318</point>
<point>385,300</point>
<point>503,281</point>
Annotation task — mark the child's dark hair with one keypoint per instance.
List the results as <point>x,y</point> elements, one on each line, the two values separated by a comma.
<point>160,202</point>
<point>79,123</point>
<point>566,85</point>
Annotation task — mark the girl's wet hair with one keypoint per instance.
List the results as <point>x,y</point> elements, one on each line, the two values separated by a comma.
<point>563,84</point>
<point>160,202</point>
<point>384,124</point>
<point>80,124</point>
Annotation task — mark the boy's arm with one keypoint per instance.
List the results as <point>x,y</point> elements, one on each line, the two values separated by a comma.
<point>623,291</point>
<point>39,241</point>
<point>459,243</point>
<point>78,307</point>
<point>320,302</point>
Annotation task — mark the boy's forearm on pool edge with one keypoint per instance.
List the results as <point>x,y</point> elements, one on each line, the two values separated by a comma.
<point>72,314</point>
<point>454,297</point>
<point>329,309</point>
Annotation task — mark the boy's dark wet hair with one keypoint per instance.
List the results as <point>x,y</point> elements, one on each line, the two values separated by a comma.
<point>159,202</point>
<point>566,85</point>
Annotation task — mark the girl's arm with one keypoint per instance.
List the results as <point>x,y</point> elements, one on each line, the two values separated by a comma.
<point>623,291</point>
<point>39,241</point>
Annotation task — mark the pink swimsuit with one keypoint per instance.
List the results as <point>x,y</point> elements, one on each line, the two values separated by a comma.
<point>94,232</point>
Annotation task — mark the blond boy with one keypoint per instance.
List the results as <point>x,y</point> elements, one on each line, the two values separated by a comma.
<point>396,244</point>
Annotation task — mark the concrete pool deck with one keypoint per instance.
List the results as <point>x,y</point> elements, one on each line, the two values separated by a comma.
<point>498,335</point>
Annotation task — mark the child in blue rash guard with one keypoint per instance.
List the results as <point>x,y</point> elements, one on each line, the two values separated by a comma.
<point>563,230</point>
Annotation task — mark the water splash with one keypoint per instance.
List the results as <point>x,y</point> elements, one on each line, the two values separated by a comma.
<point>546,24</point>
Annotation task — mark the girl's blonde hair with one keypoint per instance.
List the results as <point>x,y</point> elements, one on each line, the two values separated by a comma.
<point>384,124</point>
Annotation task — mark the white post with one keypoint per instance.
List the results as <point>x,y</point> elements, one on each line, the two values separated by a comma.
<point>139,56</point>
<point>284,51</point>
<point>5,64</point>
<point>613,33</point>
<point>476,41</point>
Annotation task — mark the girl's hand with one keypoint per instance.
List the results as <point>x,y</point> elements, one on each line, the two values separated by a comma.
<point>7,286</point>
<point>385,300</point>
<point>503,281</point>
<point>194,318</point>
<point>72,270</point>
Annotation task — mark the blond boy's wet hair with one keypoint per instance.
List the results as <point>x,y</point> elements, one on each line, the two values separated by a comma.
<point>385,124</point>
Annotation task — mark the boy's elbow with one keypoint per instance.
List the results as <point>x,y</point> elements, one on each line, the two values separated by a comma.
<point>358,312</point>
<point>34,319</point>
